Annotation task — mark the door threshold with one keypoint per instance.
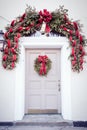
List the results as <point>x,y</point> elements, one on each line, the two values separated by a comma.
<point>44,111</point>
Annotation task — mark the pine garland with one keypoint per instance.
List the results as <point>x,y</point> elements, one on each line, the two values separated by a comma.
<point>56,22</point>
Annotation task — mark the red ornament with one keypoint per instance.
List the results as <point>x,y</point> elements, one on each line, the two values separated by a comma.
<point>10,30</point>
<point>18,35</point>
<point>9,43</point>
<point>81,38</point>
<point>21,19</point>
<point>74,43</point>
<point>6,50</point>
<point>74,57</point>
<point>14,58</point>
<point>5,57</point>
<point>12,65</point>
<point>73,51</point>
<point>81,47</point>
<point>15,39</point>
<point>77,33</point>
<point>13,22</point>
<point>6,34</point>
<point>13,50</point>
<point>65,29</point>
<point>70,32</point>
<point>23,16</point>
<point>20,29</point>
<point>65,17</point>
<point>75,25</point>
<point>73,62</point>
<point>27,28</point>
<point>70,38</point>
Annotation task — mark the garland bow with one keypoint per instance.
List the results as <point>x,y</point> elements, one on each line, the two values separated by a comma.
<point>45,18</point>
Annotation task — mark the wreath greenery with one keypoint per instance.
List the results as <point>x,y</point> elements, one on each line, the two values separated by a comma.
<point>42,65</point>
<point>56,22</point>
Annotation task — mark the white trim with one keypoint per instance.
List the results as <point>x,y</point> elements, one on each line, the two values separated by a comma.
<point>48,42</point>
<point>55,42</point>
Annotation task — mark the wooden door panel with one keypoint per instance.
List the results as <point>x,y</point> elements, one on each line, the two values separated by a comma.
<point>41,92</point>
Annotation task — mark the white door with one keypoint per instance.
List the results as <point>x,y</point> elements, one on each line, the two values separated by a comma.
<point>42,93</point>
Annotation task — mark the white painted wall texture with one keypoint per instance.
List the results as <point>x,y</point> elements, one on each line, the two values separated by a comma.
<point>11,102</point>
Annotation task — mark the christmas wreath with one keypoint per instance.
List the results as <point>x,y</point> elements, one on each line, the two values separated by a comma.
<point>42,65</point>
<point>56,22</point>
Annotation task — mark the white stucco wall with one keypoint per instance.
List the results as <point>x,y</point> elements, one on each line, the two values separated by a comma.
<point>11,103</point>
<point>19,87</point>
<point>7,92</point>
<point>79,94</point>
<point>12,91</point>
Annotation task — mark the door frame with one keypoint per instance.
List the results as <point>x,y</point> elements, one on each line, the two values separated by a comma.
<point>53,42</point>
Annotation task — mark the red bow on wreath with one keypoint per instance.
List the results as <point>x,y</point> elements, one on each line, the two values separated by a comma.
<point>42,60</point>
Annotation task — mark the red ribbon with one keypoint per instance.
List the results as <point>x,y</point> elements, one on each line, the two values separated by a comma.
<point>73,51</point>
<point>45,16</point>
<point>42,60</point>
